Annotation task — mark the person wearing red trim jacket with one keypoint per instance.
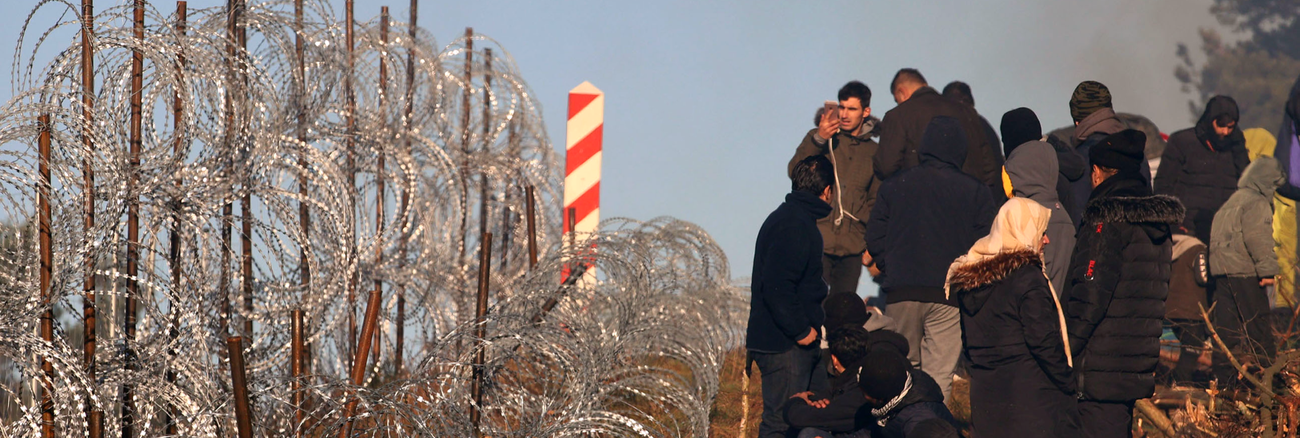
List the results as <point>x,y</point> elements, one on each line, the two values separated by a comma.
<point>1117,285</point>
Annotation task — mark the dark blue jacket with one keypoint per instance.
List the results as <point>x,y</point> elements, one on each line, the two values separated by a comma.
<point>786,285</point>
<point>928,215</point>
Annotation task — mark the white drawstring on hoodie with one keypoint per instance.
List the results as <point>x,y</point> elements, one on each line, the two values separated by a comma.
<point>839,199</point>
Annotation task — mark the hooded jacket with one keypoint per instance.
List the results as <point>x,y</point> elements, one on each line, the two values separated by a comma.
<point>1241,244</point>
<point>904,126</point>
<point>786,284</point>
<point>1090,131</point>
<point>855,194</point>
<point>926,216</point>
<point>1032,168</point>
<point>1201,169</point>
<point>923,402</point>
<point>1020,378</point>
<point>1119,279</point>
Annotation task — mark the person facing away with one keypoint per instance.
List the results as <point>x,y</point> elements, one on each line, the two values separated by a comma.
<point>1119,277</point>
<point>787,291</point>
<point>1188,278</point>
<point>1021,383</point>
<point>1032,170</point>
<point>1201,164</point>
<point>846,141</point>
<point>1242,263</point>
<point>900,397</point>
<point>960,92</point>
<point>924,217</point>
<point>840,412</point>
<point>904,126</point>
<point>1094,119</point>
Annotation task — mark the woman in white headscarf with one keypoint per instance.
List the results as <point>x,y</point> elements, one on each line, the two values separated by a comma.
<point>1020,365</point>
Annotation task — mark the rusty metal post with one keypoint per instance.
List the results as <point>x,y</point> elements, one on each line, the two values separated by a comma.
<point>239,382</point>
<point>480,330</point>
<point>464,141</point>
<point>47,270</point>
<point>95,416</point>
<point>400,326</point>
<point>379,167</point>
<point>133,222</point>
<point>246,207</point>
<point>174,239</point>
<point>487,129</point>
<point>530,210</point>
<point>349,147</point>
<point>295,367</point>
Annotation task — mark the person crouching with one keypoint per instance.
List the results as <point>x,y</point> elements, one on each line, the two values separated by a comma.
<point>1020,366</point>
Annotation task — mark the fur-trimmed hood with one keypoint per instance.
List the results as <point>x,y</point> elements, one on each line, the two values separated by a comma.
<point>992,270</point>
<point>1155,209</point>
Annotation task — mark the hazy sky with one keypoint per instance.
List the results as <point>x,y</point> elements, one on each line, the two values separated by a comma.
<point>706,101</point>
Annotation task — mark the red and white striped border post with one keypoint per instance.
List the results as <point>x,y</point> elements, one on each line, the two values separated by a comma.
<point>582,160</point>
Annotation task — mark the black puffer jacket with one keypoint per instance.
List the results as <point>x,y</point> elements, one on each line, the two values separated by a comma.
<point>1201,169</point>
<point>928,215</point>
<point>1020,380</point>
<point>1119,278</point>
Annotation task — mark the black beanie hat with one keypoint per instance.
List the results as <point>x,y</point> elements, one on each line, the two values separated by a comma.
<point>844,308</point>
<point>1088,97</point>
<point>883,375</point>
<point>1122,150</point>
<point>1019,126</point>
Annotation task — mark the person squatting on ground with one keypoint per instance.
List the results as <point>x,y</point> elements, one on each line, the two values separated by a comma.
<point>1032,173</point>
<point>844,138</point>
<point>904,126</point>
<point>1242,263</point>
<point>925,217</point>
<point>787,291</point>
<point>840,412</point>
<point>1021,383</point>
<point>902,399</point>
<point>1119,277</point>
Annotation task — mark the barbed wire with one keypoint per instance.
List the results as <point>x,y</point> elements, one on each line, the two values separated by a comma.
<point>234,137</point>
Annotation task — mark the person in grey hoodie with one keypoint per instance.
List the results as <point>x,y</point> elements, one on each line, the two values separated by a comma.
<point>1242,262</point>
<point>1032,170</point>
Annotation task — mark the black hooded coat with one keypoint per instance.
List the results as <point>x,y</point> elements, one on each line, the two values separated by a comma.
<point>1201,169</point>
<point>1020,381</point>
<point>1119,279</point>
<point>926,216</point>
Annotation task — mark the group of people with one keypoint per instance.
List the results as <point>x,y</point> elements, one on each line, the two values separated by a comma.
<point>1041,264</point>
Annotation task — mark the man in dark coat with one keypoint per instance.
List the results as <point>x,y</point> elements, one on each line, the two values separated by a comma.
<point>924,218</point>
<point>1094,119</point>
<point>846,141</point>
<point>903,127</point>
<point>1119,277</point>
<point>787,290</point>
<point>1201,165</point>
<point>960,91</point>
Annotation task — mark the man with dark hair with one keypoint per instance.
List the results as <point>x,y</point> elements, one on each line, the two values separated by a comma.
<point>1118,281</point>
<point>1202,164</point>
<point>924,218</point>
<point>903,126</point>
<point>845,139</point>
<point>787,289</point>
<point>838,413</point>
<point>960,92</point>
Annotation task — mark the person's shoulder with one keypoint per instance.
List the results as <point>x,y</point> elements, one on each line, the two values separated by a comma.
<point>1181,137</point>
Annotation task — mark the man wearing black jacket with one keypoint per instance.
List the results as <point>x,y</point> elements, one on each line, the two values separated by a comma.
<point>1202,164</point>
<point>903,127</point>
<point>787,290</point>
<point>841,412</point>
<point>1119,278</point>
<point>924,218</point>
